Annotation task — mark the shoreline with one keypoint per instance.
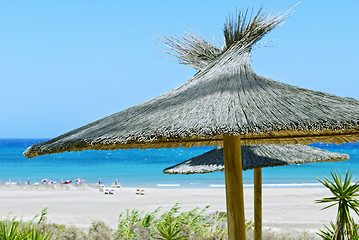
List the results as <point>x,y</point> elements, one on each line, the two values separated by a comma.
<point>58,186</point>
<point>284,209</point>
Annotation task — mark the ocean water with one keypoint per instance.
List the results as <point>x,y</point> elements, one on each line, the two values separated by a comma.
<point>143,168</point>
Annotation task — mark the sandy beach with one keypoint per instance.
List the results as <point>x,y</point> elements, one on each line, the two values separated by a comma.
<point>284,209</point>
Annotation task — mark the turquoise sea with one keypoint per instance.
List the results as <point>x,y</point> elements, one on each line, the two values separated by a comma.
<point>143,168</point>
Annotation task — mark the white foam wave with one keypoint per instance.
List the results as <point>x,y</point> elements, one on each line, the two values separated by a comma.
<point>286,185</point>
<point>168,185</point>
<point>292,185</point>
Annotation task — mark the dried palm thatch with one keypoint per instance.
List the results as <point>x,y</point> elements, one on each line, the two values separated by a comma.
<point>225,97</point>
<point>193,50</point>
<point>257,156</point>
<point>249,30</point>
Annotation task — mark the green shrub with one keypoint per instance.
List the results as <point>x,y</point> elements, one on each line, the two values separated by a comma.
<point>100,231</point>
<point>12,229</point>
<point>132,226</point>
<point>174,224</point>
<point>36,233</point>
<point>168,226</point>
<point>345,196</point>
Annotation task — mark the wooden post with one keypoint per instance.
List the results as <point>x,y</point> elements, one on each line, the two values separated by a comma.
<point>234,187</point>
<point>258,203</point>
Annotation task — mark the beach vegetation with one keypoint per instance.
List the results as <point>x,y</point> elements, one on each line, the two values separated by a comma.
<point>193,224</point>
<point>173,224</point>
<point>69,233</point>
<point>126,224</point>
<point>37,233</point>
<point>168,226</point>
<point>345,196</point>
<point>171,230</point>
<point>131,224</point>
<point>270,234</point>
<point>14,229</point>
<point>100,231</point>
<point>42,216</point>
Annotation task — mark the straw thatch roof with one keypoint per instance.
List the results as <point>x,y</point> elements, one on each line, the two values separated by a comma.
<point>257,156</point>
<point>226,97</point>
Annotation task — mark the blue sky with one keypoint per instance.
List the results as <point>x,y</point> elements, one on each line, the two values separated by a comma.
<point>64,64</point>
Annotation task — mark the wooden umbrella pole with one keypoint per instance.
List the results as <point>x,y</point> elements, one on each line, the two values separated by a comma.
<point>234,187</point>
<point>258,203</point>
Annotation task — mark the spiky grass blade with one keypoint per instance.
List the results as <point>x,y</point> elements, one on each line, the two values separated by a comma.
<point>345,196</point>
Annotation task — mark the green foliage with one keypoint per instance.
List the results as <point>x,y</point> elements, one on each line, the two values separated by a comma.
<point>249,224</point>
<point>173,224</point>
<point>148,219</point>
<point>126,224</point>
<point>169,226</point>
<point>42,215</point>
<point>170,230</point>
<point>11,229</point>
<point>193,224</point>
<point>327,233</point>
<point>195,219</point>
<point>345,196</point>
<point>355,235</point>
<point>36,233</point>
<point>131,225</point>
<point>201,225</point>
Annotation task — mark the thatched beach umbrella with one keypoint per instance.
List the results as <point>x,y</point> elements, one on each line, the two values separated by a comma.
<point>256,157</point>
<point>224,104</point>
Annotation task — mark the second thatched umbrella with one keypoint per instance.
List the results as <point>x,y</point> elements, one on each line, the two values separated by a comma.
<point>256,157</point>
<point>224,104</point>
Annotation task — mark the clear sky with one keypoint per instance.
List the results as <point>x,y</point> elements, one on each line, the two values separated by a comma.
<point>64,64</point>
